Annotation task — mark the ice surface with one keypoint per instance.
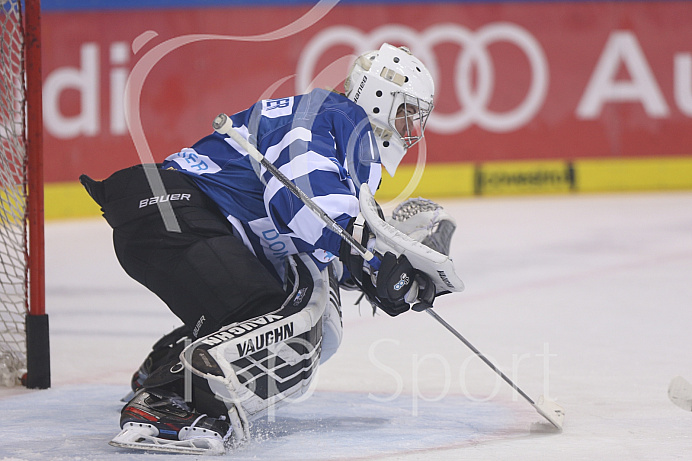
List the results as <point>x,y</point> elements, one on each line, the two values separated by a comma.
<point>585,298</point>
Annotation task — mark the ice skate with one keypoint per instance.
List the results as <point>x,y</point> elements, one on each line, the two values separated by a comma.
<point>157,420</point>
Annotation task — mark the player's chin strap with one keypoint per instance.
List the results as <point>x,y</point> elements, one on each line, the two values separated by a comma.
<point>439,267</point>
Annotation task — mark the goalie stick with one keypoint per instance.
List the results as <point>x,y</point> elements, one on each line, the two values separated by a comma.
<point>550,410</point>
<point>433,259</point>
<point>223,124</point>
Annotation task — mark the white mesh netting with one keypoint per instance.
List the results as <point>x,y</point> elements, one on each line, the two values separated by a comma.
<point>13,164</point>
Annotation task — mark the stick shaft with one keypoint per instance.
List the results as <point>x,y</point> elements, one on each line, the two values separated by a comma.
<point>479,354</point>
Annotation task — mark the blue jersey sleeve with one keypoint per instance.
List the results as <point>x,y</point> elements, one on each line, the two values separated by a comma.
<point>320,141</point>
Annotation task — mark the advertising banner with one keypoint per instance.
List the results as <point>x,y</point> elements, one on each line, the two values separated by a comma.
<point>518,81</point>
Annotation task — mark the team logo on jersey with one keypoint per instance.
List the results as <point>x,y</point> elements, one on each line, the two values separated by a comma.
<point>273,108</point>
<point>190,160</point>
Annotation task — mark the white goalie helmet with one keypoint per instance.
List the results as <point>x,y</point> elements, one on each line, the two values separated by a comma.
<point>396,90</point>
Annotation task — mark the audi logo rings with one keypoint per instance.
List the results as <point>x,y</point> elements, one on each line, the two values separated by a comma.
<point>473,94</point>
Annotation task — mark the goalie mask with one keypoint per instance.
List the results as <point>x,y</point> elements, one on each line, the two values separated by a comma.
<point>396,90</point>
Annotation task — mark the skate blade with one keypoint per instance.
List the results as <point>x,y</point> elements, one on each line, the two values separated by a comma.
<point>129,438</point>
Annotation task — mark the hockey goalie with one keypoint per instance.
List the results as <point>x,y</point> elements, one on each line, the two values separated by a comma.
<point>251,271</point>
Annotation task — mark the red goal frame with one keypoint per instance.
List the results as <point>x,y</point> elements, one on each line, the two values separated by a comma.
<point>37,339</point>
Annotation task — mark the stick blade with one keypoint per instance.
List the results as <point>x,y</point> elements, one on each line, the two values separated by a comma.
<point>680,393</point>
<point>551,411</point>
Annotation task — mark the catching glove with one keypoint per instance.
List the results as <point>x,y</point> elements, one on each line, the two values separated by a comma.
<point>395,285</point>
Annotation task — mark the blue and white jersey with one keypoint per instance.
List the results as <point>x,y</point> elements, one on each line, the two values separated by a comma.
<point>321,141</point>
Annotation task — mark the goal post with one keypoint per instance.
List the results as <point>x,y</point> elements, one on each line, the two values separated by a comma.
<point>37,343</point>
<point>24,341</point>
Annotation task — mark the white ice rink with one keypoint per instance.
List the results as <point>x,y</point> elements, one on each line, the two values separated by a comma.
<point>585,298</point>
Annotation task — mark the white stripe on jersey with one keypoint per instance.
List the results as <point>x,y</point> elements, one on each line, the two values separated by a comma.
<point>244,133</point>
<point>240,231</point>
<point>308,227</point>
<point>375,177</point>
<point>337,204</point>
<point>306,163</point>
<point>372,147</point>
<point>301,165</point>
<point>299,133</point>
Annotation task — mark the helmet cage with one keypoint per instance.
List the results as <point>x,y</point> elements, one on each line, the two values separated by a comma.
<point>408,117</point>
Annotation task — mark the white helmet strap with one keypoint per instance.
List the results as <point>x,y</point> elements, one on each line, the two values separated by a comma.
<point>393,76</point>
<point>381,133</point>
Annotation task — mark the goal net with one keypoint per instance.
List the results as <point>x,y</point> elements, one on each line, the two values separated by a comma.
<point>21,203</point>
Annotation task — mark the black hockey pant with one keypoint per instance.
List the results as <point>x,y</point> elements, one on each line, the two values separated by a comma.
<point>205,275</point>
